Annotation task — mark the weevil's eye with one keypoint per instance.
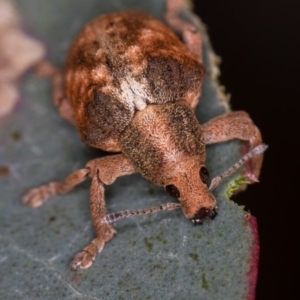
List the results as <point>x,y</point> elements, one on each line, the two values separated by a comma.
<point>172,190</point>
<point>204,174</point>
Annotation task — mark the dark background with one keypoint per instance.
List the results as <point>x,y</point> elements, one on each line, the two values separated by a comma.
<point>259,44</point>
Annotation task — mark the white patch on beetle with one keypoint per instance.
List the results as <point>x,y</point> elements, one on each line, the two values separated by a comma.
<point>134,93</point>
<point>139,103</point>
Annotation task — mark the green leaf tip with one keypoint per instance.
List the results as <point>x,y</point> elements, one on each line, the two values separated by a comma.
<point>235,185</point>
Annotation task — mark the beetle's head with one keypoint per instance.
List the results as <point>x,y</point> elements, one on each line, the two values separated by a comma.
<point>166,144</point>
<point>189,185</point>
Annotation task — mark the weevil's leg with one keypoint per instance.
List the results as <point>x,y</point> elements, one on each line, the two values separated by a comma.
<point>46,69</point>
<point>105,232</point>
<point>111,168</point>
<point>104,170</point>
<point>189,33</point>
<point>236,125</point>
<point>37,196</point>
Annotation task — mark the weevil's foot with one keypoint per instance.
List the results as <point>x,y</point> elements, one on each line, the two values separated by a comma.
<point>36,197</point>
<point>86,257</point>
<point>83,259</point>
<point>202,213</point>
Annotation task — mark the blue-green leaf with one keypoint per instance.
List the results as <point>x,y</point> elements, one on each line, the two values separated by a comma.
<point>160,256</point>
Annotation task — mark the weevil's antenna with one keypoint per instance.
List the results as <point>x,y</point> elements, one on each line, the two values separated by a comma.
<point>255,151</point>
<point>110,218</point>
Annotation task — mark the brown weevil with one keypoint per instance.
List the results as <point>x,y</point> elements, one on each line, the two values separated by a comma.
<point>130,85</point>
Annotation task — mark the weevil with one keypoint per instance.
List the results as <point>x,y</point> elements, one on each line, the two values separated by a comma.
<point>130,85</point>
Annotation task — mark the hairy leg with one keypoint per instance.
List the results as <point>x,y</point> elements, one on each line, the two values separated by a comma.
<point>188,32</point>
<point>37,196</point>
<point>103,170</point>
<point>236,125</point>
<point>105,232</point>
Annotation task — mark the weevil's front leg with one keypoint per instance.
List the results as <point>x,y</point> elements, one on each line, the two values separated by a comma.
<point>111,167</point>
<point>105,232</point>
<point>103,170</point>
<point>37,196</point>
<point>188,32</point>
<point>236,125</point>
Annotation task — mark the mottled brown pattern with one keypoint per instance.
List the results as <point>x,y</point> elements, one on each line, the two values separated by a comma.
<point>123,56</point>
<point>107,120</point>
<point>186,130</point>
<point>147,157</point>
<point>173,78</point>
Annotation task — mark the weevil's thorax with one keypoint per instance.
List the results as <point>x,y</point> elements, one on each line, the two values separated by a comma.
<point>161,138</point>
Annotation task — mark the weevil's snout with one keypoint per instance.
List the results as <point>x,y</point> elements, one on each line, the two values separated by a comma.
<point>202,213</point>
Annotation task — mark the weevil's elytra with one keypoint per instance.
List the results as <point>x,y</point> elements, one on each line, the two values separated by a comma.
<point>119,64</point>
<point>130,85</point>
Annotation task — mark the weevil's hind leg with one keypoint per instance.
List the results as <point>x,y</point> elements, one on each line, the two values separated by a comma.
<point>189,33</point>
<point>103,171</point>
<point>236,125</point>
<point>46,69</point>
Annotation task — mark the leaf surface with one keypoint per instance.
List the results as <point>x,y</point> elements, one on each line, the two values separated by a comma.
<point>160,256</point>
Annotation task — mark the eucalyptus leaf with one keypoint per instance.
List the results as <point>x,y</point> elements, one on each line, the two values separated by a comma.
<point>157,256</point>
